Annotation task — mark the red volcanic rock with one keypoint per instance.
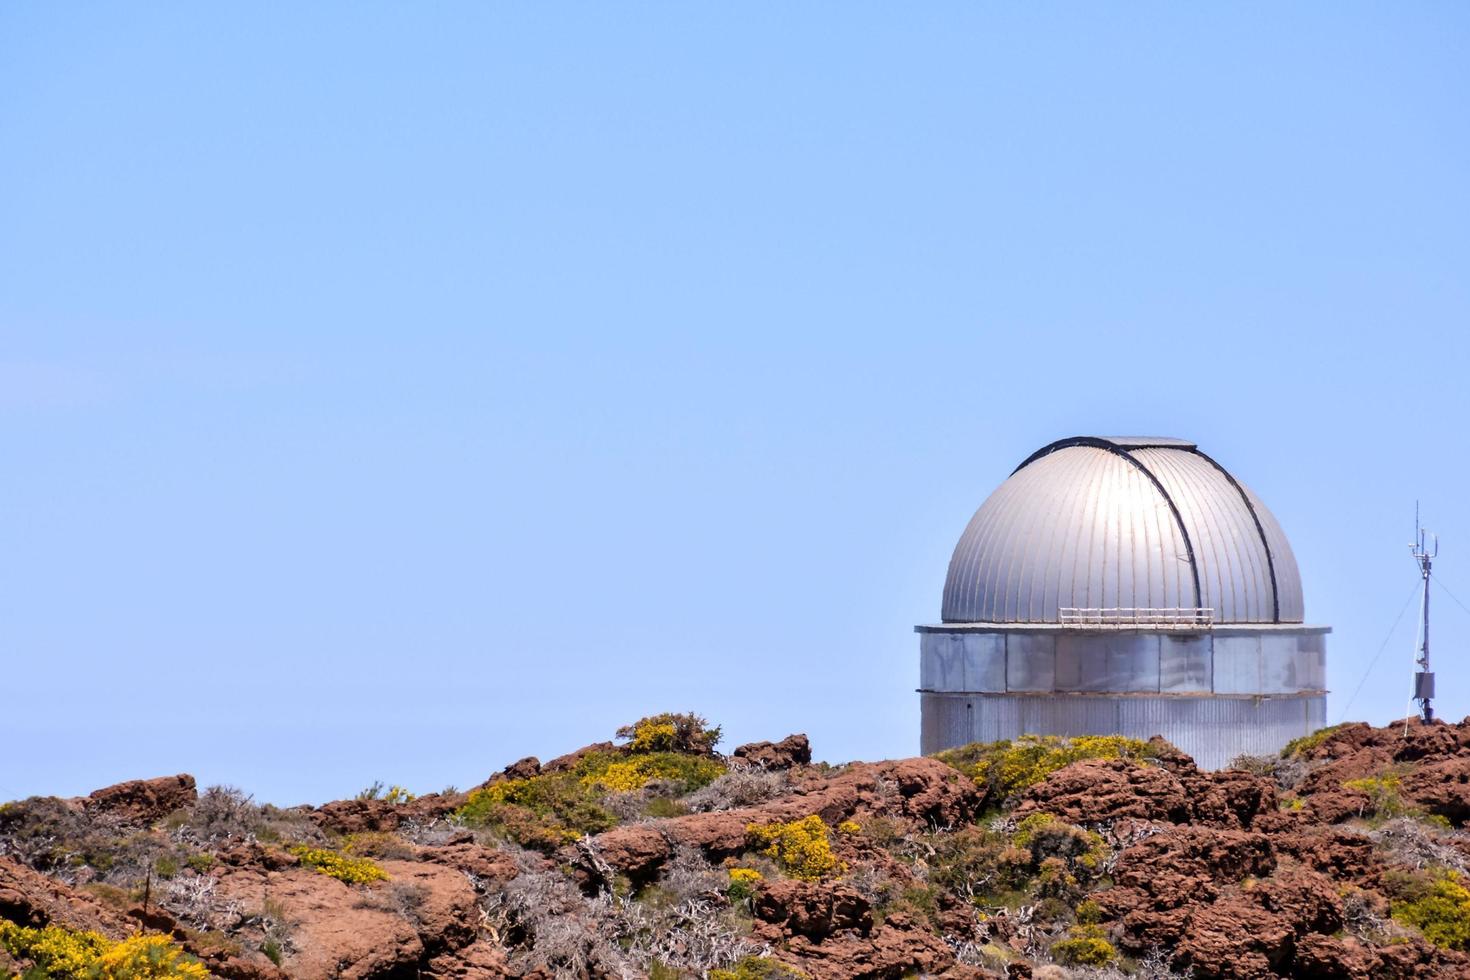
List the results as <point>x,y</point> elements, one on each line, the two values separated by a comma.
<point>638,850</point>
<point>898,948</point>
<point>32,899</point>
<point>793,750</point>
<point>485,863</point>
<point>1104,790</point>
<point>1160,879</point>
<point>29,898</point>
<point>1230,798</point>
<point>1326,958</point>
<point>523,768</point>
<point>145,800</point>
<point>359,931</point>
<point>1236,939</point>
<point>1339,853</point>
<point>1166,756</point>
<point>569,761</point>
<point>1305,899</point>
<point>812,909</point>
<point>924,791</point>
<point>1441,787</point>
<point>477,961</point>
<point>359,816</point>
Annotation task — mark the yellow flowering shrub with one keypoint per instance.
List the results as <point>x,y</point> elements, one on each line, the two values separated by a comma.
<point>743,883</point>
<point>1436,903</point>
<point>638,771</point>
<point>653,736</point>
<point>350,870</point>
<point>65,954</point>
<point>849,827</point>
<point>1084,946</point>
<point>801,847</point>
<point>1386,800</point>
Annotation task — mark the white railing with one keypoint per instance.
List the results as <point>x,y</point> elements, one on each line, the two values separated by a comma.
<point>1123,617</point>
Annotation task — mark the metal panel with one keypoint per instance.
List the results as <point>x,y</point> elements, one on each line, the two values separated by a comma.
<point>985,662</point>
<point>1133,662</point>
<point>1237,665</point>
<point>1030,662</point>
<point>941,662</point>
<point>1185,663</point>
<point>1284,666</point>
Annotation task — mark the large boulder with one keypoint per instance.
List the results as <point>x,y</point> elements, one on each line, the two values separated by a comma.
<point>145,800</point>
<point>1104,790</point>
<point>353,932</point>
<point>812,909</point>
<point>793,750</point>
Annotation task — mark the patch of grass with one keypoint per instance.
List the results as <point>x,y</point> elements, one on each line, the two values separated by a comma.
<point>661,807</point>
<point>1301,746</point>
<point>757,968</point>
<point>1005,768</point>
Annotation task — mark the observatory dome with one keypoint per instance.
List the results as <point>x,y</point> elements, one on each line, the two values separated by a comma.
<point>1107,525</point>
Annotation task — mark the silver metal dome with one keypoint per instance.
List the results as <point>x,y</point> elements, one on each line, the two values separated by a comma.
<point>1122,523</point>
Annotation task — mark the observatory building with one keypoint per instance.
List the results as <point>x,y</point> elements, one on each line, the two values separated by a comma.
<point>1123,585</point>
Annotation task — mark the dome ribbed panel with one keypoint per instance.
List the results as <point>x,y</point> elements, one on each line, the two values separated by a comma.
<point>1234,575</point>
<point>1081,527</point>
<point>1084,526</point>
<point>1288,577</point>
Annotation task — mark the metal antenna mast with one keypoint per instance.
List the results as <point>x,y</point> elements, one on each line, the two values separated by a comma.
<point>1425,549</point>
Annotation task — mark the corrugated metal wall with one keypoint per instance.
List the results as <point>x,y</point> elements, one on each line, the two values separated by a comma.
<point>1213,730</point>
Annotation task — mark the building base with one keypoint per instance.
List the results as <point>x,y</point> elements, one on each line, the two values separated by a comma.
<point>1213,729</point>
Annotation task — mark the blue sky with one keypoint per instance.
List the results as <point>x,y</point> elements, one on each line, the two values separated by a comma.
<point>389,392</point>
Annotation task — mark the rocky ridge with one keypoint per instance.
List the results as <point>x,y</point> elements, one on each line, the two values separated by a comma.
<point>656,856</point>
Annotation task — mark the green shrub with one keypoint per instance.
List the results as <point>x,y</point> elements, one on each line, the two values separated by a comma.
<point>1047,837</point>
<point>1384,797</point>
<point>542,812</point>
<point>1436,903</point>
<point>757,968</point>
<point>200,862</point>
<point>1005,768</point>
<point>1084,946</point>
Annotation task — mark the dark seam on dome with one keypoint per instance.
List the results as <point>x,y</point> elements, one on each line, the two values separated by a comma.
<point>1260,529</point>
<point>1098,443</point>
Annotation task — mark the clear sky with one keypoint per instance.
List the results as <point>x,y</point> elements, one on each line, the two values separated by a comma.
<point>389,391</point>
